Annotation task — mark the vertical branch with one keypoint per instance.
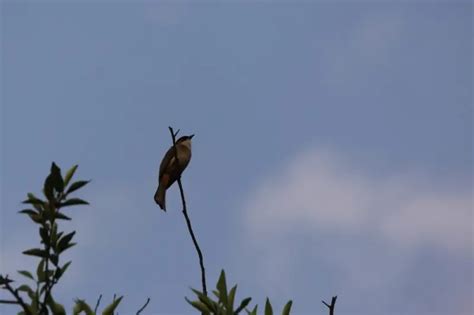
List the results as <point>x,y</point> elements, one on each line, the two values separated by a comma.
<point>49,283</point>
<point>332,306</point>
<point>188,221</point>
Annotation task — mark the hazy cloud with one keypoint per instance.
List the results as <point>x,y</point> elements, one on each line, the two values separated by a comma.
<point>320,190</point>
<point>364,231</point>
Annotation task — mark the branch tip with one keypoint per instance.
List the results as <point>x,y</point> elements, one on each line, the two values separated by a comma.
<point>143,307</point>
<point>97,304</point>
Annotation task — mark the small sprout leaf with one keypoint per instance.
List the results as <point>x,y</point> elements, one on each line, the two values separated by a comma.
<point>73,202</point>
<point>77,185</point>
<point>287,308</point>
<point>36,252</point>
<point>243,305</point>
<point>222,288</point>
<point>110,309</point>
<point>26,274</point>
<point>268,307</point>
<point>199,306</point>
<point>82,306</point>
<point>69,174</point>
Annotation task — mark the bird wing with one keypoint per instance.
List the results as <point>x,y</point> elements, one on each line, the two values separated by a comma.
<point>167,160</point>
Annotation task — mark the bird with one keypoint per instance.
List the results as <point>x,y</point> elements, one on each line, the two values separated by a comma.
<point>170,170</point>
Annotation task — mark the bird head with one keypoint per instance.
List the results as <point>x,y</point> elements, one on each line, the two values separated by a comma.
<point>185,138</point>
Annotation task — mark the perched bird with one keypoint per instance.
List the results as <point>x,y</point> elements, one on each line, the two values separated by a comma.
<point>170,170</point>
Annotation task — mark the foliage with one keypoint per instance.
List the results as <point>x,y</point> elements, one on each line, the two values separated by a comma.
<point>224,302</point>
<point>46,214</point>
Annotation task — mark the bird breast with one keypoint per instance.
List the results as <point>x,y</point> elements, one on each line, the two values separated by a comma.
<point>184,155</point>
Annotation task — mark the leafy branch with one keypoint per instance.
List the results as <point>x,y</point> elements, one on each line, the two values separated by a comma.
<point>46,213</point>
<point>224,302</point>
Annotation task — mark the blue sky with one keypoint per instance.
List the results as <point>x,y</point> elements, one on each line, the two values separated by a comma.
<point>333,149</point>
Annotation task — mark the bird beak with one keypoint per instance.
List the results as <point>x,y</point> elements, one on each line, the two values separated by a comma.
<point>191,136</point>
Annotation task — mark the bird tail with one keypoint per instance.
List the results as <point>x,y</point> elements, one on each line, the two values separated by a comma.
<point>160,197</point>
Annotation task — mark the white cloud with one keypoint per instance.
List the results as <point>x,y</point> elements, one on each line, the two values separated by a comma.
<point>370,228</point>
<point>320,190</point>
<point>440,219</point>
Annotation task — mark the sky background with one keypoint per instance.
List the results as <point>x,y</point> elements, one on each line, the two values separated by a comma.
<point>333,149</point>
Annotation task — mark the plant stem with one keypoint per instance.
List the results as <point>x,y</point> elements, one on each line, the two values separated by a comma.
<point>188,221</point>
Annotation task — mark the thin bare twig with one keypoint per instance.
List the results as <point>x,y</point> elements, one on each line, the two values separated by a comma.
<point>97,304</point>
<point>332,305</point>
<point>188,221</point>
<point>143,307</point>
<point>16,296</point>
<point>8,302</point>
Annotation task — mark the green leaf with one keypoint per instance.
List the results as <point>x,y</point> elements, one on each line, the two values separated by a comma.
<point>202,297</point>
<point>32,199</point>
<point>40,271</point>
<point>67,238</point>
<point>64,242</point>
<point>57,179</point>
<point>287,308</point>
<point>109,310</point>
<point>60,271</point>
<point>244,304</point>
<point>56,308</point>
<point>44,235</point>
<point>73,202</point>
<point>58,215</point>
<point>35,202</point>
<point>69,174</point>
<point>55,238</point>
<point>206,300</point>
<point>36,252</point>
<point>48,188</point>
<point>67,247</point>
<point>254,311</point>
<point>230,300</point>
<point>26,273</point>
<point>35,302</point>
<point>222,288</point>
<point>34,216</point>
<point>25,288</point>
<point>77,185</point>
<point>54,182</point>
<point>268,307</point>
<point>28,290</point>
<point>54,259</point>
<point>48,211</point>
<point>82,306</point>
<point>54,235</point>
<point>200,306</point>
<point>28,211</point>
